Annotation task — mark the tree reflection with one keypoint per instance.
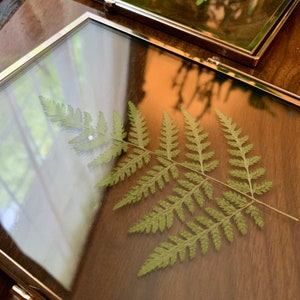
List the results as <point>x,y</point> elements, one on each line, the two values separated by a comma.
<point>238,22</point>
<point>210,85</point>
<point>220,13</point>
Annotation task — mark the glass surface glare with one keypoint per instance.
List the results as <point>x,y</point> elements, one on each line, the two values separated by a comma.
<point>47,193</point>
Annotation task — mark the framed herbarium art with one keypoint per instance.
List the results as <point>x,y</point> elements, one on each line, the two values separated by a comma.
<point>132,171</point>
<point>239,30</point>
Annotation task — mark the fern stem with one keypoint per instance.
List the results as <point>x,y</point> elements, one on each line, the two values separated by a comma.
<point>218,181</point>
<point>253,198</point>
<point>221,183</point>
<point>272,208</point>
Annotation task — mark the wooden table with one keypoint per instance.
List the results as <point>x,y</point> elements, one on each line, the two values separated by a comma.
<point>262,265</point>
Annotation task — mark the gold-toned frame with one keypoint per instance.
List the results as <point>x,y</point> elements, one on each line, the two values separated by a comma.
<point>206,39</point>
<point>276,91</point>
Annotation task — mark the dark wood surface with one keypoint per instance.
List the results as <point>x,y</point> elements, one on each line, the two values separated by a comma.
<point>264,265</point>
<point>5,285</point>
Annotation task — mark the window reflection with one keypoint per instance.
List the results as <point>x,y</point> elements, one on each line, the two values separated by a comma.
<point>47,194</point>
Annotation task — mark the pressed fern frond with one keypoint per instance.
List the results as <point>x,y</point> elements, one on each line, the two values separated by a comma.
<point>199,2</point>
<point>65,116</point>
<point>168,147</point>
<point>157,176</point>
<point>189,189</point>
<point>138,134</point>
<point>132,162</point>
<point>231,210</point>
<point>138,137</point>
<point>244,172</point>
<point>89,138</point>
<point>200,158</point>
<point>186,194</point>
<point>219,220</point>
<point>117,143</point>
<point>160,173</point>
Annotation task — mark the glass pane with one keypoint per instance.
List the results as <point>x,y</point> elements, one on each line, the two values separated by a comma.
<point>239,30</point>
<point>59,218</point>
<point>48,198</point>
<point>242,23</point>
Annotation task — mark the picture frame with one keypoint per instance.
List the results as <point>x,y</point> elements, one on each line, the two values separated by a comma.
<point>97,65</point>
<point>239,30</point>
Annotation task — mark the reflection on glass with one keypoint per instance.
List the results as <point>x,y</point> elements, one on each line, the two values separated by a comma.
<point>47,194</point>
<point>182,83</point>
<point>241,23</point>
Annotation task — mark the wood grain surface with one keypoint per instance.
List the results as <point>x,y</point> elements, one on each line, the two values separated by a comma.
<point>261,265</point>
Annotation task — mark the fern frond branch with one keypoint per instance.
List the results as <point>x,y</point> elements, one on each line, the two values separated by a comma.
<point>272,208</point>
<point>252,198</point>
<point>166,254</point>
<point>240,192</point>
<point>219,182</point>
<point>163,213</point>
<point>153,153</point>
<point>232,135</point>
<point>234,189</point>
<point>83,122</point>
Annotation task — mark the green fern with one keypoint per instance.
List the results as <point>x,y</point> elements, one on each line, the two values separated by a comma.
<point>219,218</point>
<point>189,190</point>
<point>117,143</point>
<point>89,137</point>
<point>199,2</point>
<point>244,172</point>
<point>232,209</point>
<point>162,215</point>
<point>164,169</point>
<point>199,158</point>
<point>138,136</point>
<point>65,116</point>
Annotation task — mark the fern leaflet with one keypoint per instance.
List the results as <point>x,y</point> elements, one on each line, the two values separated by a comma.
<point>138,134</point>
<point>140,156</point>
<point>189,190</point>
<point>162,215</point>
<point>133,161</point>
<point>65,116</point>
<point>160,173</point>
<point>169,139</point>
<point>231,209</point>
<point>198,157</point>
<point>157,176</point>
<point>242,172</point>
<point>219,220</point>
